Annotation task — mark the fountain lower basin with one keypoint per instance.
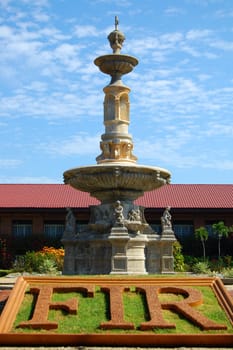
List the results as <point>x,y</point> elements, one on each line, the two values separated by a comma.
<point>116,181</point>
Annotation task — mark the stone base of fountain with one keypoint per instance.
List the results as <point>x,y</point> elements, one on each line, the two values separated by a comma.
<point>127,246</point>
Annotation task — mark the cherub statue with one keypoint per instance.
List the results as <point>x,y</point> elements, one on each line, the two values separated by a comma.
<point>70,226</point>
<point>119,213</point>
<point>166,218</point>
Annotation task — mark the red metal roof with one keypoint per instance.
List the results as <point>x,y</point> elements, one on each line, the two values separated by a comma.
<point>43,196</point>
<point>189,196</point>
<point>62,196</point>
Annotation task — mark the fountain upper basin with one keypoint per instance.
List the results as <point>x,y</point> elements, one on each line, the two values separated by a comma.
<point>112,64</point>
<point>116,181</point>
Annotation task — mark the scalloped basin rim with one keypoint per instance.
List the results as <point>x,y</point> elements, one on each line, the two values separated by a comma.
<point>116,57</point>
<point>105,181</point>
<point>115,165</point>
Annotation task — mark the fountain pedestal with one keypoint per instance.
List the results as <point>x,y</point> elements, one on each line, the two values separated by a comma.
<point>119,239</point>
<point>167,239</point>
<point>136,255</point>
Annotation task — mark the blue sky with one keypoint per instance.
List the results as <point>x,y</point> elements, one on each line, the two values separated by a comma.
<point>51,98</point>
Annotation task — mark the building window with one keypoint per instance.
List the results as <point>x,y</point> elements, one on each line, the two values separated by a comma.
<point>209,229</point>
<point>22,228</point>
<point>183,230</point>
<point>54,229</point>
<point>208,226</point>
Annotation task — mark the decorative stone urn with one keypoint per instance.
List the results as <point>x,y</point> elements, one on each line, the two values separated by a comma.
<point>118,239</point>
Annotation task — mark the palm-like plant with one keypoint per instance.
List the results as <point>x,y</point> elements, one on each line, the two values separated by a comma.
<point>201,233</point>
<point>221,230</point>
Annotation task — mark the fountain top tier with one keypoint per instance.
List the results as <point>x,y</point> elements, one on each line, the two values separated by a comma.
<point>116,176</point>
<point>116,64</point>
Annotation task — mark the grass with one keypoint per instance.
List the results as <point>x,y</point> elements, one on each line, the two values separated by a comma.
<point>93,311</point>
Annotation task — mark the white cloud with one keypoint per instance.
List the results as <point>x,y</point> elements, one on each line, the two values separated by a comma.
<point>185,96</point>
<point>122,3</point>
<point>175,149</point>
<point>29,180</point>
<point>41,17</point>
<point>219,128</point>
<point>196,43</point>
<point>224,14</point>
<point>198,34</point>
<point>81,144</point>
<point>42,101</point>
<point>68,56</point>
<point>159,154</point>
<point>10,163</point>
<point>218,164</point>
<point>5,32</point>
<point>169,40</point>
<point>222,45</point>
<point>37,86</point>
<point>194,52</point>
<point>37,3</point>
<point>82,31</point>
<point>174,11</point>
<point>5,4</point>
<point>203,77</point>
<point>52,35</point>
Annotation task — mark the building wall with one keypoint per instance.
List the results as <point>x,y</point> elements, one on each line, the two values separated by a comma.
<point>185,221</point>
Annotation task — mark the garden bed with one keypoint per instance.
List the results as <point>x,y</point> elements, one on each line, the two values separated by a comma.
<point>117,311</point>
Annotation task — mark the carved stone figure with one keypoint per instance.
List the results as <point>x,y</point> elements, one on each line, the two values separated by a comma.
<point>70,226</point>
<point>134,215</point>
<point>166,218</point>
<point>106,149</point>
<point>119,216</point>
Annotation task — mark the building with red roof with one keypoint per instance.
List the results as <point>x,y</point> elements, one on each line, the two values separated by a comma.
<point>34,214</point>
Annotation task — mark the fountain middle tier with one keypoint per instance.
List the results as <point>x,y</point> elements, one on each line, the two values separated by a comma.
<point>116,181</point>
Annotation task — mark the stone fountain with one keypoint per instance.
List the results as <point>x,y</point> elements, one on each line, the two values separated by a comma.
<point>118,240</point>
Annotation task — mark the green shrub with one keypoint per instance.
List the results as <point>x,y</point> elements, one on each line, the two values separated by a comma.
<point>217,264</point>
<point>35,262</point>
<point>178,257</point>
<point>201,267</point>
<point>47,260</point>
<point>227,272</point>
<point>228,261</point>
<point>48,266</point>
<point>189,261</point>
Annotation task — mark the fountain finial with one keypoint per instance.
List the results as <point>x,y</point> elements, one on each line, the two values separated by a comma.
<point>116,22</point>
<point>116,38</point>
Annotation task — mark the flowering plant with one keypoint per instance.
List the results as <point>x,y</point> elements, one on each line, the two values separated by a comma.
<point>56,254</point>
<point>46,260</point>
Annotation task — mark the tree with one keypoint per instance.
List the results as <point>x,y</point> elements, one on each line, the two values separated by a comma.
<point>221,231</point>
<point>201,233</point>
